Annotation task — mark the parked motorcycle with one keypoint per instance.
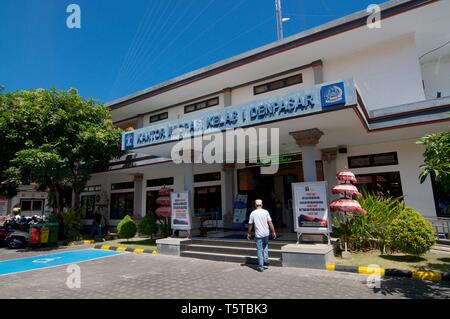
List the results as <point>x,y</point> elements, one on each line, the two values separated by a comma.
<point>17,232</point>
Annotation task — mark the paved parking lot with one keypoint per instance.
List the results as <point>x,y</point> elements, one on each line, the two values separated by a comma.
<point>130,275</point>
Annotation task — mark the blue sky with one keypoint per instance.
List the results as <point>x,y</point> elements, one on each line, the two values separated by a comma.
<point>127,45</point>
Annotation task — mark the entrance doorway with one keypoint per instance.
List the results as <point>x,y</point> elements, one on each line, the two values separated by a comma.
<point>274,190</point>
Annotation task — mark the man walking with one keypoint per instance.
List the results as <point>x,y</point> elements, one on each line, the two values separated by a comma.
<point>262,221</point>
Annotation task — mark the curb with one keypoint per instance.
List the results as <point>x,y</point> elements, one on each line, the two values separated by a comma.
<point>127,249</point>
<point>82,242</point>
<point>391,272</point>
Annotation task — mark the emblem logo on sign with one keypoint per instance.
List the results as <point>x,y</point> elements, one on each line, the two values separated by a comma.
<point>129,140</point>
<point>333,94</point>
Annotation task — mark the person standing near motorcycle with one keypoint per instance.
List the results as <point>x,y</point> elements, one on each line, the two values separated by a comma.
<point>97,224</point>
<point>16,212</point>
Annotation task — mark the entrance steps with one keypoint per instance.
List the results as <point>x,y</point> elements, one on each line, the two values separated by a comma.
<point>238,251</point>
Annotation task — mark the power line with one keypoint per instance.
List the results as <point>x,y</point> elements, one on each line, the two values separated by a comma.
<point>431,51</point>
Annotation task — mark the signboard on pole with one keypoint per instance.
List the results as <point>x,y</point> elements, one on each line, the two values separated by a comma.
<point>239,212</point>
<point>3,207</point>
<point>181,215</point>
<point>310,208</point>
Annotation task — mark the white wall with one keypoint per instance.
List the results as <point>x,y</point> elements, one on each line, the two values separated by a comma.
<point>244,94</point>
<point>436,77</point>
<point>418,196</point>
<point>24,195</point>
<point>177,112</point>
<point>387,74</point>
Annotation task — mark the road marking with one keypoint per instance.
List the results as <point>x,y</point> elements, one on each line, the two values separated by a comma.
<point>14,266</point>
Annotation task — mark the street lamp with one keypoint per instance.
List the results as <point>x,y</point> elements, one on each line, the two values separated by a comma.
<point>280,19</point>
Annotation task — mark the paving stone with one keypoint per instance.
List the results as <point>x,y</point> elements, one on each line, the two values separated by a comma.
<point>156,276</point>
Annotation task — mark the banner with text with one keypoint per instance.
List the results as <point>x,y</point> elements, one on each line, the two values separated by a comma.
<point>181,216</point>
<point>310,207</point>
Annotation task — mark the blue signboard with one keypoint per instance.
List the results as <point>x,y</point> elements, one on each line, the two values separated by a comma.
<point>332,95</point>
<point>129,140</point>
<point>303,102</point>
<point>239,212</point>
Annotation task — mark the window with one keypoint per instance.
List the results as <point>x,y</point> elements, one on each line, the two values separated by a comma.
<point>160,182</point>
<point>373,160</point>
<point>32,206</point>
<point>208,201</point>
<point>201,105</point>
<point>385,184</point>
<point>441,198</point>
<point>118,186</point>
<point>207,177</point>
<point>94,188</point>
<point>278,84</point>
<point>121,204</point>
<point>87,206</point>
<point>159,117</point>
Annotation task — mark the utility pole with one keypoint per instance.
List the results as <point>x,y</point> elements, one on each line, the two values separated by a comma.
<point>279,19</point>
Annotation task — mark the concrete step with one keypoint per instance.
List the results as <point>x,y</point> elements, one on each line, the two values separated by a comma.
<point>273,244</point>
<point>228,257</point>
<point>231,250</point>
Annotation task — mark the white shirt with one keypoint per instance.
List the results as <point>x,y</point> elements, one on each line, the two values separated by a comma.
<point>260,218</point>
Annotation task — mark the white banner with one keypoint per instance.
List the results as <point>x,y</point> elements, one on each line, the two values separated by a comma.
<point>310,207</point>
<point>181,215</point>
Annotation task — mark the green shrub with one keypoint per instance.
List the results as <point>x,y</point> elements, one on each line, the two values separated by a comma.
<point>126,228</point>
<point>410,233</point>
<point>70,224</point>
<point>147,226</point>
<point>365,232</point>
<point>165,226</point>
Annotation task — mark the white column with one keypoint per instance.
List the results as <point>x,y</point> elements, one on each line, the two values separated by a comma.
<point>329,156</point>
<point>189,182</point>
<point>309,163</point>
<point>140,121</point>
<point>307,140</point>
<point>317,67</point>
<point>227,217</point>
<point>138,198</point>
<point>227,97</point>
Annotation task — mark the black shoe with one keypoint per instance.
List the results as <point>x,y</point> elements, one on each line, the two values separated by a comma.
<point>260,269</point>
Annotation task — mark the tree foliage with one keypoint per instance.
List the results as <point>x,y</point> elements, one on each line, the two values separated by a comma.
<point>54,138</point>
<point>436,158</point>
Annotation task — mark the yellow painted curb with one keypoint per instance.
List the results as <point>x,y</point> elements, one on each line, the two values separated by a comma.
<point>88,241</point>
<point>330,267</point>
<point>105,247</point>
<point>121,249</point>
<point>427,275</point>
<point>154,252</point>
<point>138,250</point>
<point>371,270</point>
<point>71,244</point>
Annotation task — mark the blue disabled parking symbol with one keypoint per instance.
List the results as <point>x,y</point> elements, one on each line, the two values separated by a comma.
<point>13,266</point>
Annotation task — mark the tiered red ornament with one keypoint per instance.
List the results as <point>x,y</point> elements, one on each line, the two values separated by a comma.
<point>347,203</point>
<point>163,202</point>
